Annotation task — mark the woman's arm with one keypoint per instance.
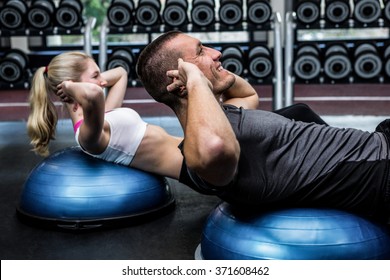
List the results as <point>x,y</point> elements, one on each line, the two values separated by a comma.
<point>91,98</point>
<point>117,83</point>
<point>241,94</point>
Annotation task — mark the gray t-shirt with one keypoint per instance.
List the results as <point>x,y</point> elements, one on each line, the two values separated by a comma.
<point>286,163</point>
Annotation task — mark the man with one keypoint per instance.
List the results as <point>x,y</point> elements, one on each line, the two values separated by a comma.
<point>253,158</point>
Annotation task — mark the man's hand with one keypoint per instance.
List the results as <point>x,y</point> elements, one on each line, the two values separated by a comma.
<point>210,147</point>
<point>186,72</point>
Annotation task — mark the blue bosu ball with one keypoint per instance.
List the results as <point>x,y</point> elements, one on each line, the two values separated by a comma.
<point>291,234</point>
<point>72,190</point>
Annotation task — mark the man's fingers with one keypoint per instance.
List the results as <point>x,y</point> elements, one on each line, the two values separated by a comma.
<point>173,73</point>
<point>175,85</point>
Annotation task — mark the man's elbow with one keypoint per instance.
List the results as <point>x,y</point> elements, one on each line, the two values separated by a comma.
<point>254,101</point>
<point>218,162</point>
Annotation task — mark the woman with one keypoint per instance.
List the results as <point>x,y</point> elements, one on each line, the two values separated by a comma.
<point>102,128</point>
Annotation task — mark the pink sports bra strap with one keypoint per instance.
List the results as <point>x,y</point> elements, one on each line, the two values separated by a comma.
<point>77,125</point>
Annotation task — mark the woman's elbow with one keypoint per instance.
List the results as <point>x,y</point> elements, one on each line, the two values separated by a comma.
<point>122,71</point>
<point>93,93</point>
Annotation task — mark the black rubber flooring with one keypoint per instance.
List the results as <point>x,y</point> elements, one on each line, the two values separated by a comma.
<point>173,236</point>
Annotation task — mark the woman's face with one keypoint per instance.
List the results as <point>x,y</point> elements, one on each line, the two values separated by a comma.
<point>92,74</point>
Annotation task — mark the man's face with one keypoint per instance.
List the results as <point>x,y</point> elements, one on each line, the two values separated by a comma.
<point>207,59</point>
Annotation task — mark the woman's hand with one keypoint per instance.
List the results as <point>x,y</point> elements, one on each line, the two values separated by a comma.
<point>63,92</point>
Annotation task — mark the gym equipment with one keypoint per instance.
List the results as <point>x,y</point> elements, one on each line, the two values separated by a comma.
<point>259,12</point>
<point>122,57</point>
<point>120,13</point>
<point>368,63</point>
<point>260,62</point>
<point>175,13</point>
<point>307,64</point>
<point>148,12</point>
<point>338,11</point>
<point>308,12</point>
<point>232,59</point>
<point>337,64</point>
<point>203,12</point>
<point>13,66</point>
<point>367,11</point>
<point>69,14</point>
<point>291,234</point>
<point>230,12</point>
<point>13,14</point>
<point>40,14</point>
<point>71,190</point>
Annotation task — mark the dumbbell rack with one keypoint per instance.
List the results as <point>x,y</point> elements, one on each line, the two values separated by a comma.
<point>274,26</point>
<point>85,30</point>
<point>37,20</point>
<point>293,45</point>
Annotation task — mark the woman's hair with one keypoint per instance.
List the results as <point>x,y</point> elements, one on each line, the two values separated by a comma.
<point>42,121</point>
<point>153,63</point>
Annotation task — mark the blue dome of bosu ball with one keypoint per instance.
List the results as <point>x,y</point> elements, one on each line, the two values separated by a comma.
<point>73,191</point>
<point>291,234</point>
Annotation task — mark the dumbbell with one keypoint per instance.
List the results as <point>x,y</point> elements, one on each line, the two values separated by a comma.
<point>148,12</point>
<point>308,12</point>
<point>232,59</point>
<point>120,13</point>
<point>175,13</point>
<point>13,14</point>
<point>40,14</point>
<point>69,14</point>
<point>337,64</point>
<point>307,64</point>
<point>230,12</point>
<point>258,11</point>
<point>367,11</point>
<point>122,57</point>
<point>386,10</point>
<point>337,11</point>
<point>367,63</point>
<point>386,56</point>
<point>203,12</point>
<point>13,66</point>
<point>260,62</point>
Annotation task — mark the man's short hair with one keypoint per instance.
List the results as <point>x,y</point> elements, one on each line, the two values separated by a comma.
<point>153,63</point>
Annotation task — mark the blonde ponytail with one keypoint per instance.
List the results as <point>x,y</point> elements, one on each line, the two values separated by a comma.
<point>42,121</point>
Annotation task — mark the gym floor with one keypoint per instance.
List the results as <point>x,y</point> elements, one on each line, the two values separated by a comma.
<point>173,236</point>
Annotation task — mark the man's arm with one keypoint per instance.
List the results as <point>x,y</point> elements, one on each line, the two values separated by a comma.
<point>210,146</point>
<point>241,94</point>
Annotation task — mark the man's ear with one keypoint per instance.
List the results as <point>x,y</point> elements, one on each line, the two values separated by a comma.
<point>180,92</point>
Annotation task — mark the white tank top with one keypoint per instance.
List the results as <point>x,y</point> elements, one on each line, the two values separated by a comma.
<point>127,130</point>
